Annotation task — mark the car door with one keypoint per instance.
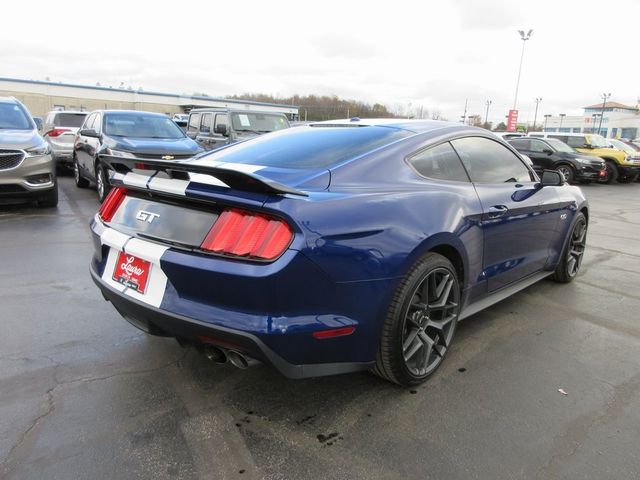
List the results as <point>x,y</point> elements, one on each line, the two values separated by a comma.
<point>203,137</point>
<point>193,126</point>
<point>81,144</point>
<point>219,139</point>
<point>92,146</point>
<point>519,219</point>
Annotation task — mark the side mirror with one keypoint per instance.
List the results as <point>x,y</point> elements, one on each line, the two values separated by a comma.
<point>551,178</point>
<point>89,132</point>
<point>548,151</point>
<point>221,129</point>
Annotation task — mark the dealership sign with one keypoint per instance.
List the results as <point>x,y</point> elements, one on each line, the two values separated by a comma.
<point>512,120</point>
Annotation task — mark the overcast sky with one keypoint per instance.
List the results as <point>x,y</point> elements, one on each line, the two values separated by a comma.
<point>402,54</point>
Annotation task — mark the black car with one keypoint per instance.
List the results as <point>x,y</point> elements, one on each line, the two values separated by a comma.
<point>125,134</point>
<point>552,154</point>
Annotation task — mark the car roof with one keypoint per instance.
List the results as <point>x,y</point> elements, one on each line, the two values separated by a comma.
<point>156,114</point>
<point>417,126</point>
<point>8,100</point>
<point>230,110</point>
<point>74,112</point>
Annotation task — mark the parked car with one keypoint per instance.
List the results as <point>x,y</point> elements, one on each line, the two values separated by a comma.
<point>618,166</point>
<point>327,249</point>
<point>125,133</point>
<point>550,153</point>
<point>59,131</point>
<point>181,119</point>
<point>215,127</point>
<point>509,135</point>
<point>27,171</point>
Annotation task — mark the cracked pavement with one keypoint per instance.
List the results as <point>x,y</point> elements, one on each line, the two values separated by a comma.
<point>85,395</point>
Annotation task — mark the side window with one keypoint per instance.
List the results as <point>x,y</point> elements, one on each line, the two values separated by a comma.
<point>194,122</point>
<point>488,161</point>
<point>440,162</point>
<point>89,121</point>
<point>205,123</point>
<point>97,123</point>
<point>562,138</point>
<point>222,119</point>
<point>577,141</point>
<point>521,144</point>
<point>538,146</point>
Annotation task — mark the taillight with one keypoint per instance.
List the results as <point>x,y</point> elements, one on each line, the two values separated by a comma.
<point>111,203</point>
<point>56,132</point>
<point>245,234</point>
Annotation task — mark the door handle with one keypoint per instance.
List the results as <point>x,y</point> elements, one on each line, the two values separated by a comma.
<point>497,211</point>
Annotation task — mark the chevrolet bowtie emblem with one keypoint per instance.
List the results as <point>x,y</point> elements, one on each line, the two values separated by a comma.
<point>167,157</point>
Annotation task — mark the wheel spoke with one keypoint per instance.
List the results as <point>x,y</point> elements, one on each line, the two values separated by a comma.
<point>443,296</point>
<point>417,345</point>
<point>410,339</point>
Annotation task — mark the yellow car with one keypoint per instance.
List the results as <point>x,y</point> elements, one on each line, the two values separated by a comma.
<point>619,165</point>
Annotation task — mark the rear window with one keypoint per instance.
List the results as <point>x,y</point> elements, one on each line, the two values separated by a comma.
<point>69,120</point>
<point>310,147</point>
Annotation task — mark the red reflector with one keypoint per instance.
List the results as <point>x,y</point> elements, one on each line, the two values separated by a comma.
<point>602,173</point>
<point>336,332</point>
<point>56,132</point>
<point>246,234</point>
<point>111,203</point>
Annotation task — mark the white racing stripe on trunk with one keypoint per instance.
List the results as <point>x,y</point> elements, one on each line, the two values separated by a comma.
<point>113,238</point>
<point>135,180</point>
<point>169,185</point>
<point>152,252</point>
<point>207,180</point>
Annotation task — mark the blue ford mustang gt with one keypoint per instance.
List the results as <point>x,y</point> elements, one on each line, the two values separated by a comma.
<point>333,247</point>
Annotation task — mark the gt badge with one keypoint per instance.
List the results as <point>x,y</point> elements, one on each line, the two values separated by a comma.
<point>145,216</point>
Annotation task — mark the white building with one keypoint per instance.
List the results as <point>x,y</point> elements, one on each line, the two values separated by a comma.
<point>618,121</point>
<point>41,97</point>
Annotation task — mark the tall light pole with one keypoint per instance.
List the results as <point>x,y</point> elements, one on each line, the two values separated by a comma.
<point>535,115</point>
<point>546,117</point>
<point>486,115</point>
<point>524,37</point>
<point>562,115</point>
<point>605,97</point>
<point>464,115</point>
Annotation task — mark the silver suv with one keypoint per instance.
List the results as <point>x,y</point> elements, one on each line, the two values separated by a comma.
<point>27,171</point>
<point>59,131</point>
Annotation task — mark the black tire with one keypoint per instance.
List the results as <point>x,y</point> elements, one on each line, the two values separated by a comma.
<point>50,199</point>
<point>628,178</point>
<point>611,172</point>
<point>573,253</point>
<point>567,172</point>
<point>102,182</point>
<point>81,182</point>
<point>417,334</point>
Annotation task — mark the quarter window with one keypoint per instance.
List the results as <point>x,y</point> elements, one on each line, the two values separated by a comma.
<point>576,142</point>
<point>488,161</point>
<point>538,146</point>
<point>521,144</point>
<point>222,119</point>
<point>440,162</point>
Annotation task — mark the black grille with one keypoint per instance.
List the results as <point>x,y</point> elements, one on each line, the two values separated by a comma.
<point>10,158</point>
<point>158,156</point>
<point>11,189</point>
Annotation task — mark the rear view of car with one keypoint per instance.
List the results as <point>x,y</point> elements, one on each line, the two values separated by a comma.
<point>59,131</point>
<point>27,171</point>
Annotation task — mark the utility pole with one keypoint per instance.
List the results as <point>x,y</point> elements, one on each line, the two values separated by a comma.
<point>486,115</point>
<point>535,115</point>
<point>562,115</point>
<point>464,115</point>
<point>605,97</point>
<point>524,37</point>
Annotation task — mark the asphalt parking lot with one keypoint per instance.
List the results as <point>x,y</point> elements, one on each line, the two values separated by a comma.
<point>85,395</point>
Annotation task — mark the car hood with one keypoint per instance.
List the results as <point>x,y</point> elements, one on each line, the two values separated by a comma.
<point>151,146</point>
<point>22,139</point>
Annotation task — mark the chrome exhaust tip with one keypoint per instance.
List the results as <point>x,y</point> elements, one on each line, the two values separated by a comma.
<point>215,354</point>
<point>238,360</point>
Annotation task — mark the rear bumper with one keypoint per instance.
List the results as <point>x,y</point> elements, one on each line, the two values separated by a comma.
<point>588,173</point>
<point>160,322</point>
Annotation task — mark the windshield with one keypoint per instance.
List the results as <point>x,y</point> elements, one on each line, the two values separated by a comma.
<point>74,120</point>
<point>12,117</point>
<point>258,122</point>
<point>622,146</point>
<point>308,147</point>
<point>596,141</point>
<point>140,125</point>
<point>560,146</point>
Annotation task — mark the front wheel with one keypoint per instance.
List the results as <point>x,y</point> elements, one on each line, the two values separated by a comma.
<point>610,172</point>
<point>102,182</point>
<point>628,178</point>
<point>567,173</point>
<point>573,253</point>
<point>420,323</point>
<point>77,177</point>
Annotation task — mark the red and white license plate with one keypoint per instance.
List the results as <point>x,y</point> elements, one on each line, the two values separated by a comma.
<point>132,272</point>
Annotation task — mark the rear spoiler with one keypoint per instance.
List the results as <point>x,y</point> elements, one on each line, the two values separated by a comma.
<point>236,179</point>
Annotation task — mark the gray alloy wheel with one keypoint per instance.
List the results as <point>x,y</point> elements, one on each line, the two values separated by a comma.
<point>567,173</point>
<point>573,254</point>
<point>80,182</point>
<point>430,322</point>
<point>102,184</point>
<point>420,323</point>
